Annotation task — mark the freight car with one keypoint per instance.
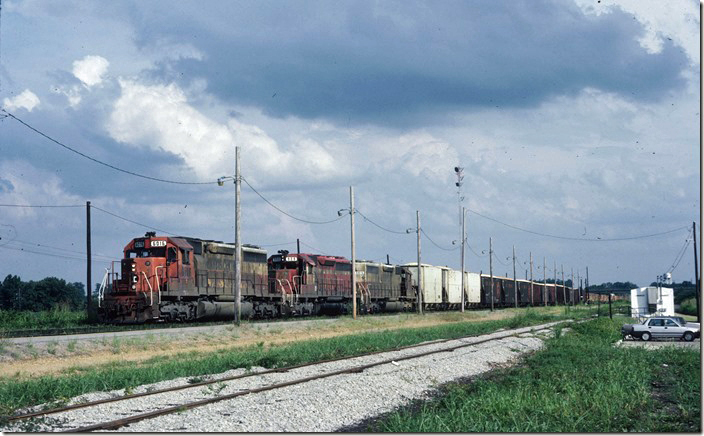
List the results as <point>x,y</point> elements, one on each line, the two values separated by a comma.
<point>180,279</point>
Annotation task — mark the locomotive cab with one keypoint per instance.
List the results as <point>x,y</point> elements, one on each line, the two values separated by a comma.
<point>151,267</point>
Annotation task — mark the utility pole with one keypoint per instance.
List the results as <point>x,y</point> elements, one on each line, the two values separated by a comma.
<point>238,247</point>
<point>89,287</point>
<point>515,285</point>
<point>697,285</point>
<point>298,246</point>
<point>354,273</point>
<point>545,285</point>
<point>532,303</point>
<point>572,287</point>
<point>579,288</point>
<point>554,270</point>
<point>491,273</point>
<point>420,288</point>
<point>587,288</point>
<point>462,258</point>
<point>564,287</point>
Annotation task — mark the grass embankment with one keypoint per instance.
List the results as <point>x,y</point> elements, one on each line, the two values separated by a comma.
<point>580,383</point>
<point>47,319</point>
<point>21,393</point>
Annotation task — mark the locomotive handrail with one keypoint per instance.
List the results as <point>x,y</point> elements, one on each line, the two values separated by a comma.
<point>291,289</point>
<point>151,290</point>
<point>283,293</point>
<point>158,284</point>
<point>298,291</point>
<point>103,284</point>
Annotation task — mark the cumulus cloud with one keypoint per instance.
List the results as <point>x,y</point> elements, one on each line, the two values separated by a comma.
<point>160,117</point>
<point>26,100</point>
<point>676,20</point>
<point>90,69</point>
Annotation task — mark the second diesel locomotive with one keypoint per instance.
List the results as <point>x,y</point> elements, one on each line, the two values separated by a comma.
<point>164,278</point>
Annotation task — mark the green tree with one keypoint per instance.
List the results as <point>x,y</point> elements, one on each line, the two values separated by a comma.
<point>11,292</point>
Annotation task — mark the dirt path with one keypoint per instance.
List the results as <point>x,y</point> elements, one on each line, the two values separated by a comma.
<point>28,360</point>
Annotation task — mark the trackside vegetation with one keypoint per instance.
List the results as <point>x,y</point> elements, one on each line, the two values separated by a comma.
<point>18,392</point>
<point>579,383</point>
<point>46,319</point>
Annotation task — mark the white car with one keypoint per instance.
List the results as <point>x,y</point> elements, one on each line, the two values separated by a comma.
<point>661,327</point>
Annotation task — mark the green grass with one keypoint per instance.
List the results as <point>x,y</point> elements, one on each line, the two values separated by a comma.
<point>57,318</point>
<point>580,383</point>
<point>16,393</point>
<point>689,306</point>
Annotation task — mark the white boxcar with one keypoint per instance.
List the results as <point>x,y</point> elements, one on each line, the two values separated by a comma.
<point>473,287</point>
<point>431,283</point>
<point>454,286</point>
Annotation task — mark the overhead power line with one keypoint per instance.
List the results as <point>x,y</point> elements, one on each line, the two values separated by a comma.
<point>579,239</point>
<point>83,259</point>
<point>286,213</point>
<point>382,228</point>
<point>83,253</point>
<point>132,173</point>
<point>433,242</point>
<point>130,221</point>
<point>47,205</point>
<point>680,253</point>
<point>276,245</point>
<point>316,249</point>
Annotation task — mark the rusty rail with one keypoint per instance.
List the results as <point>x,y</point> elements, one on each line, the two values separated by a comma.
<point>111,425</point>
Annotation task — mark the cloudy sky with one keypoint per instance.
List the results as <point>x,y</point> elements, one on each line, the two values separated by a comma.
<point>576,123</point>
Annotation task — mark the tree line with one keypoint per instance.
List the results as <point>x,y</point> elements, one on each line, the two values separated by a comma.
<point>45,294</point>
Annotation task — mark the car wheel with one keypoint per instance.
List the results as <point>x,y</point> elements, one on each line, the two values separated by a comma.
<point>688,336</point>
<point>645,336</point>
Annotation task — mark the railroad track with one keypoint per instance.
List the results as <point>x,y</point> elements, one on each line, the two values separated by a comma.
<point>262,383</point>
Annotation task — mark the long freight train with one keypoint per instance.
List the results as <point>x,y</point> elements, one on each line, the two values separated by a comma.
<point>165,278</point>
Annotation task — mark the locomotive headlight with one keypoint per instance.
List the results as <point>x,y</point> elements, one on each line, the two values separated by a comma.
<point>133,267</point>
<point>134,287</point>
<point>134,279</point>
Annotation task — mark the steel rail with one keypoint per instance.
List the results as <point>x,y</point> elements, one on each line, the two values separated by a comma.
<point>115,424</point>
<point>220,380</point>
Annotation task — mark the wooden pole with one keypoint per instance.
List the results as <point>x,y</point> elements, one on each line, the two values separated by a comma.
<point>354,272</point>
<point>89,287</point>
<point>515,284</point>
<point>491,273</point>
<point>532,302</point>
<point>545,287</point>
<point>697,290</point>
<point>420,278</point>
<point>462,259</point>
<point>238,246</point>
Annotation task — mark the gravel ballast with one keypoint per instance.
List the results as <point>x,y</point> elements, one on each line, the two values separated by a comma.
<point>320,405</point>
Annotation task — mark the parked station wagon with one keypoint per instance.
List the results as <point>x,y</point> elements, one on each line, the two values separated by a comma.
<point>661,327</point>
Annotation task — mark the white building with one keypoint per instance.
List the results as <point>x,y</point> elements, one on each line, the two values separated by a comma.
<point>652,300</point>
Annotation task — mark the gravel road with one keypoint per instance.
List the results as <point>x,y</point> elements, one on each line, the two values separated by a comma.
<point>323,405</point>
